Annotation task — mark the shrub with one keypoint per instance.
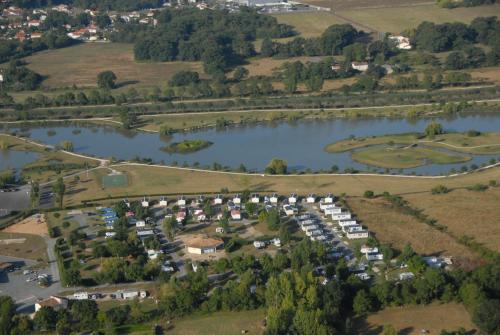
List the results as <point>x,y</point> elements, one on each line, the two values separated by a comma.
<point>478,187</point>
<point>369,194</point>
<point>440,189</point>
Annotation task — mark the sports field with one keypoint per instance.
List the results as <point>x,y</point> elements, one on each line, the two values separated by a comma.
<point>79,65</point>
<point>411,320</point>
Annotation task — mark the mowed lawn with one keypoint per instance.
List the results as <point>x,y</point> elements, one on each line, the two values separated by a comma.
<point>80,64</point>
<point>465,212</point>
<point>397,19</point>
<point>390,225</point>
<point>412,320</point>
<point>309,24</point>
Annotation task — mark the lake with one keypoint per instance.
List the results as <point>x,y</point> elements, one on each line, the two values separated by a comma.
<point>300,144</point>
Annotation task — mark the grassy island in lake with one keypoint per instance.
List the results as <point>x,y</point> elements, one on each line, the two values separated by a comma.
<point>187,146</point>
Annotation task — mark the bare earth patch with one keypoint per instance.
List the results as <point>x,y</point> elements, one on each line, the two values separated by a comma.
<point>35,225</point>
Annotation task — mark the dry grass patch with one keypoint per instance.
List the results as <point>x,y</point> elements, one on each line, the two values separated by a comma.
<point>31,246</point>
<point>146,180</point>
<point>464,212</point>
<point>350,4</point>
<point>392,226</point>
<point>79,65</point>
<point>412,319</point>
<point>395,19</point>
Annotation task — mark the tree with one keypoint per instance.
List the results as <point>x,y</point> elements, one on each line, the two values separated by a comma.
<point>84,313</point>
<point>240,73</point>
<point>389,330</point>
<point>362,303</point>
<point>59,188</point>
<point>273,219</point>
<point>170,226</point>
<point>433,129</point>
<point>487,315</point>
<point>45,319</point>
<point>7,312</point>
<point>35,194</point>
<point>277,166</point>
<point>106,80</point>
<point>267,48</point>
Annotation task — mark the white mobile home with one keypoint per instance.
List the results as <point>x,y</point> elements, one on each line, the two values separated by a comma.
<point>181,201</point>
<point>81,296</point>
<point>259,244</point>
<point>341,216</point>
<point>357,234</point>
<point>255,198</point>
<point>237,199</point>
<point>310,228</point>
<point>328,199</point>
<point>145,203</point>
<point>219,199</point>
<point>311,199</point>
<point>324,206</point>
<point>333,210</point>
<point>293,198</point>
<point>347,222</point>
<point>163,202</point>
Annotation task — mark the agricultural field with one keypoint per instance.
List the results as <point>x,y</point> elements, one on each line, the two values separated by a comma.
<point>464,212</point>
<point>411,320</point>
<point>390,225</point>
<point>79,65</point>
<point>396,19</point>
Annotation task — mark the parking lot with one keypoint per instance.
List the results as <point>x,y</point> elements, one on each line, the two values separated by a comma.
<point>22,284</point>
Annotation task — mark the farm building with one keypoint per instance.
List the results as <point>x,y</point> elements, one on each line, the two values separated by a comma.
<point>200,244</point>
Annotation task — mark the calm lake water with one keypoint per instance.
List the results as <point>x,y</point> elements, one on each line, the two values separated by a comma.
<point>301,143</point>
<point>12,159</point>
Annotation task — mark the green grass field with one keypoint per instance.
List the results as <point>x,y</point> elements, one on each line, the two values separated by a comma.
<point>394,157</point>
<point>396,19</point>
<point>34,246</point>
<point>309,24</point>
<point>484,143</point>
<point>79,65</point>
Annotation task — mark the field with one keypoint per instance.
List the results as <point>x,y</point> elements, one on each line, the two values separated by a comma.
<point>396,19</point>
<point>412,319</point>
<point>394,157</point>
<point>147,180</point>
<point>223,323</point>
<point>464,212</point>
<point>390,225</point>
<point>35,225</point>
<point>309,24</point>
<point>79,65</point>
<point>33,247</point>
<point>343,4</point>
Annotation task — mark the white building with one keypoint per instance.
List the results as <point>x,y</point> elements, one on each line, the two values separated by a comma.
<point>140,224</point>
<point>203,245</point>
<point>255,198</point>
<point>358,234</point>
<point>360,66</point>
<point>237,199</point>
<point>328,199</point>
<point>259,244</point>
<point>163,202</point>
<point>236,214</point>
<point>406,275</point>
<point>145,203</point>
<point>311,199</point>
<point>57,303</point>
<point>333,210</point>
<point>292,199</point>
<point>401,42</point>
<point>341,216</point>
<point>181,201</point>
<point>81,295</point>
<point>218,200</point>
